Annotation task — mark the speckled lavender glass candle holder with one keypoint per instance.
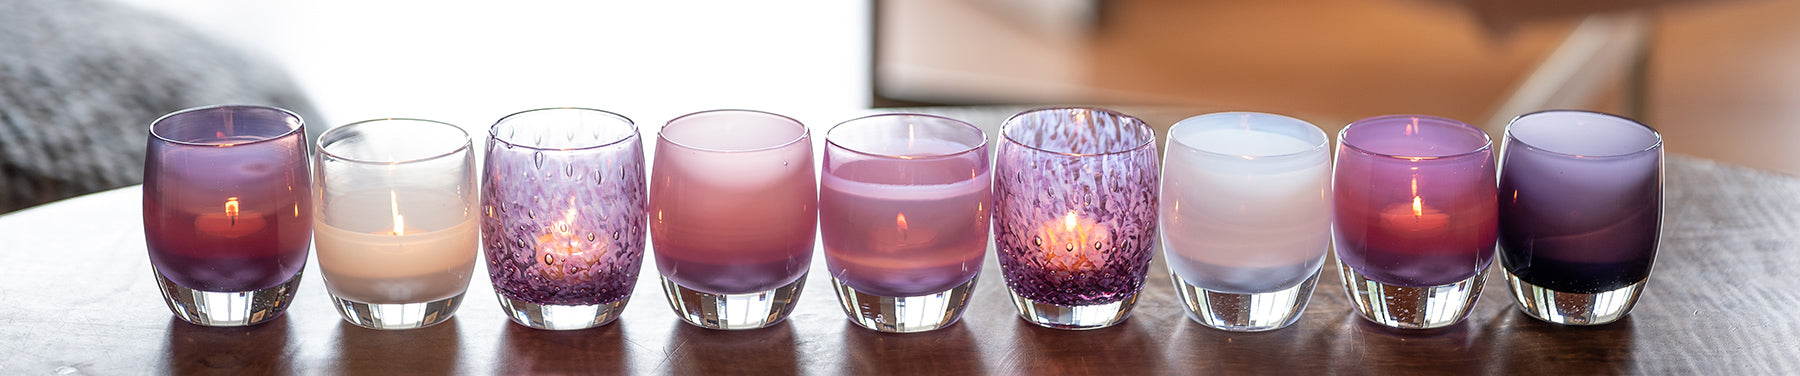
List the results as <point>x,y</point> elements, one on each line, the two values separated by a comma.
<point>1075,198</point>
<point>563,215</point>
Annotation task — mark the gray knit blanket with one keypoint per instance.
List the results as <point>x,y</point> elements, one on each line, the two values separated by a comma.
<point>81,80</point>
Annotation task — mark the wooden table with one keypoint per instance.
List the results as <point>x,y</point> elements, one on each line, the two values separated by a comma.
<point>77,296</point>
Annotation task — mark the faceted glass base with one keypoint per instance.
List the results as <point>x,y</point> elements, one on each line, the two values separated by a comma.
<point>909,314</point>
<point>227,308</point>
<point>560,317</point>
<point>397,316</point>
<point>1074,317</point>
<point>1570,308</point>
<point>732,311</point>
<point>1411,307</point>
<point>1240,312</point>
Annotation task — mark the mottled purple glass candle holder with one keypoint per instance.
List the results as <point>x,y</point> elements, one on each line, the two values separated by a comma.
<point>1246,217</point>
<point>1580,213</point>
<point>737,208</point>
<point>563,215</point>
<point>1415,218</point>
<point>227,212</point>
<point>903,210</point>
<point>1075,214</point>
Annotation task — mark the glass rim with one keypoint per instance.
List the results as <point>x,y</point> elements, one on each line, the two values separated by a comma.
<point>323,152</point>
<point>662,133</point>
<point>1646,127</point>
<point>1323,145</point>
<point>300,124</point>
<point>829,143</point>
<point>493,130</point>
<point>1487,143</point>
<point>1148,141</point>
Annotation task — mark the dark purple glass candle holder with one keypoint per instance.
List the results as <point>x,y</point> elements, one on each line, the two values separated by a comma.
<point>1075,214</point>
<point>563,215</point>
<point>1415,218</point>
<point>1580,212</point>
<point>227,212</point>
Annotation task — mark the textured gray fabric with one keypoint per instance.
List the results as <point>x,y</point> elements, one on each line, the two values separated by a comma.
<point>81,80</point>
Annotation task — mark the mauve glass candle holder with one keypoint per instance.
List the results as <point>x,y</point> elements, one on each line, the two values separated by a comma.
<point>1580,213</point>
<point>396,224</point>
<point>735,207</point>
<point>1415,218</point>
<point>563,215</point>
<point>1246,217</point>
<point>227,212</point>
<point>903,210</point>
<point>1075,214</point>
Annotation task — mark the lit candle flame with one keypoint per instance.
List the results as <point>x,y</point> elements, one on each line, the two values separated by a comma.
<point>900,223</point>
<point>1069,222</point>
<point>399,221</point>
<point>231,209</point>
<point>1418,207</point>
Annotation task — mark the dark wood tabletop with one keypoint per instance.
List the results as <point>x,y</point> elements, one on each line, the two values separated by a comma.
<point>77,297</point>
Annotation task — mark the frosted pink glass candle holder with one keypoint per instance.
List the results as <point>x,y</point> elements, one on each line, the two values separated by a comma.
<point>562,192</point>
<point>903,209</point>
<point>1416,218</point>
<point>1075,214</point>
<point>1246,217</point>
<point>227,212</point>
<point>733,203</point>
<point>396,220</point>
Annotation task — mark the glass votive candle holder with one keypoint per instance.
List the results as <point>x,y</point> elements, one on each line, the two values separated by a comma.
<point>735,205</point>
<point>1415,218</point>
<point>1246,217</point>
<point>1075,214</point>
<point>904,213</point>
<point>1580,213</point>
<point>227,212</point>
<point>396,225</point>
<point>563,215</point>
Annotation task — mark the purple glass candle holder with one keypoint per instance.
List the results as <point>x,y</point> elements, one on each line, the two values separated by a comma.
<point>736,205</point>
<point>1075,214</point>
<point>227,212</point>
<point>1415,218</point>
<point>903,209</point>
<point>1580,213</point>
<point>563,215</point>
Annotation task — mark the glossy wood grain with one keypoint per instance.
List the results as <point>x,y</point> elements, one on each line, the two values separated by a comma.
<point>76,297</point>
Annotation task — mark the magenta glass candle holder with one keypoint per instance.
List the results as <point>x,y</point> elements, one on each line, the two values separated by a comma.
<point>396,225</point>
<point>1075,214</point>
<point>1246,217</point>
<point>903,210</point>
<point>1416,221</point>
<point>1580,213</point>
<point>735,206</point>
<point>227,212</point>
<point>563,211</point>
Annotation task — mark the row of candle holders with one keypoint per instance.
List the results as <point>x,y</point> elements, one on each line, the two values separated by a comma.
<point>1247,205</point>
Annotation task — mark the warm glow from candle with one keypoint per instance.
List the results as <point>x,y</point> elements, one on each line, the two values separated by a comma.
<point>231,209</point>
<point>399,221</point>
<point>1069,222</point>
<point>900,223</point>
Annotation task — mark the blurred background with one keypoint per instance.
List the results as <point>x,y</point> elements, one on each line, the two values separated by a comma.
<point>1720,79</point>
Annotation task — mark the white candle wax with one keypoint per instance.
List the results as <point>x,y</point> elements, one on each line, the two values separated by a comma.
<point>365,259</point>
<point>1246,209</point>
